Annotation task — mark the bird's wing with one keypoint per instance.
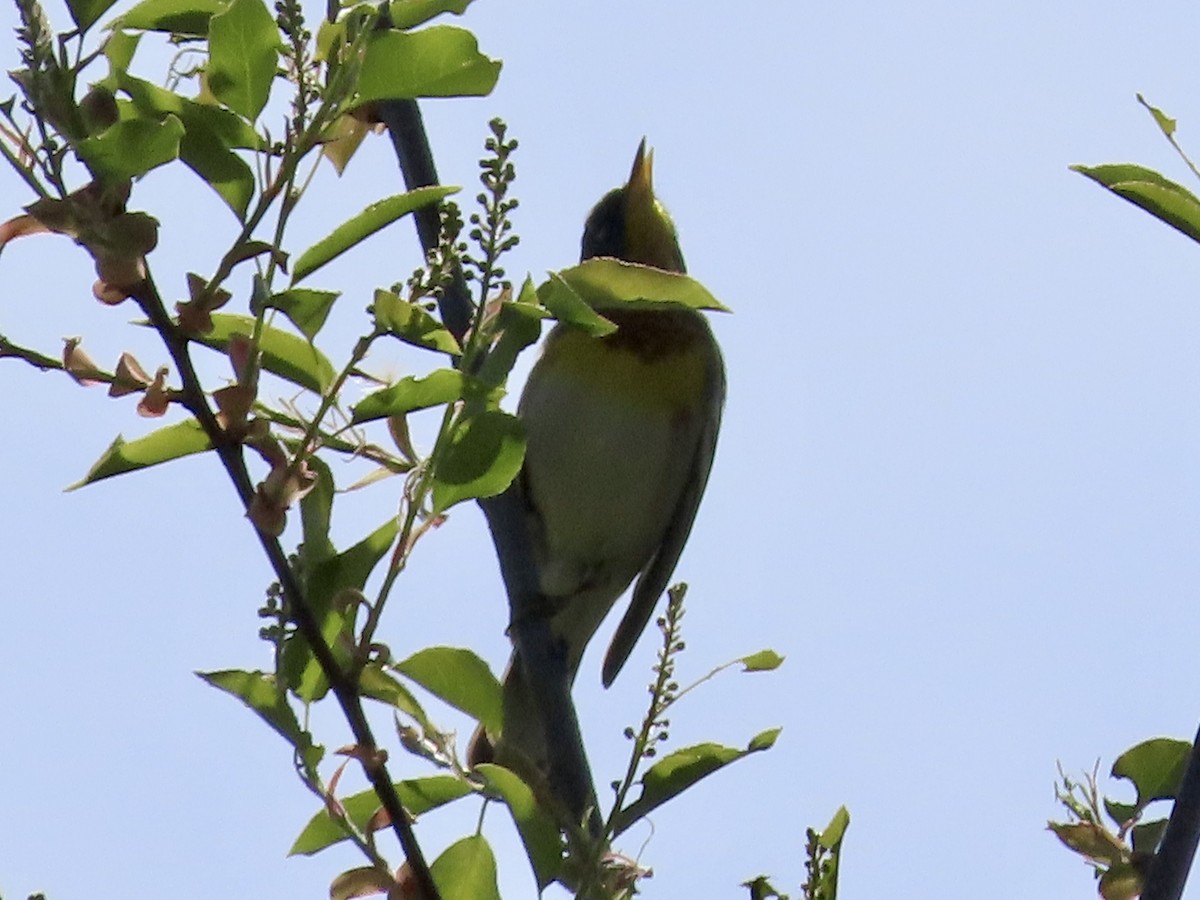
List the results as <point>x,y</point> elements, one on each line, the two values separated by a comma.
<point>658,570</point>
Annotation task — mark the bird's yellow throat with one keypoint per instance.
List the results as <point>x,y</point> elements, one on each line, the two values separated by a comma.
<point>656,358</point>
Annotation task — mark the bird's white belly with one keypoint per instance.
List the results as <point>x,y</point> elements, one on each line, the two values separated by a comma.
<point>604,478</point>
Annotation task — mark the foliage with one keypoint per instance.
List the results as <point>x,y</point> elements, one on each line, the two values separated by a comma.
<point>822,858</point>
<point>264,102</point>
<point>1141,856</point>
<point>1112,836</point>
<point>1164,199</point>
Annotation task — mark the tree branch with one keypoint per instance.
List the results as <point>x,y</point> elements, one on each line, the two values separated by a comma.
<point>407,130</point>
<point>545,668</point>
<point>1170,866</point>
<point>343,685</point>
<point>9,350</point>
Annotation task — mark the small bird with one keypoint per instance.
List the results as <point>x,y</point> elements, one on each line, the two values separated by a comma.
<point>621,432</point>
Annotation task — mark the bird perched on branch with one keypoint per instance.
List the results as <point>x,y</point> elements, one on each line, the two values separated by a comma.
<point>621,433</point>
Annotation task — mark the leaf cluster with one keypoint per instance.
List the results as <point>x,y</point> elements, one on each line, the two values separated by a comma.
<point>263,101</point>
<point>1113,836</point>
<point>1157,855</point>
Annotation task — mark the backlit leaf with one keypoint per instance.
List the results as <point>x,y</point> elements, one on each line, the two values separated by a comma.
<point>1155,767</point>
<point>85,13</point>
<point>418,795</point>
<point>678,771</point>
<point>353,231</point>
<point>132,147</point>
<point>259,692</point>
<point>484,456</point>
<point>538,829</point>
<point>283,354</point>
<point>305,308</point>
<point>466,870</point>
<point>243,54</point>
<point>762,661</point>
<point>410,13</point>
<point>186,17</point>
<point>604,283</point>
<point>460,678</point>
<point>412,324</point>
<point>172,442</point>
<point>440,61</point>
<point>1162,198</point>
<point>409,394</point>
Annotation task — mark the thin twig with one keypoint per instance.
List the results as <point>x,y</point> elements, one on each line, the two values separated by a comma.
<point>9,350</point>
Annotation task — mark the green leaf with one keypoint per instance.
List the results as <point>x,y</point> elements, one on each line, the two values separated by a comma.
<point>286,355</point>
<point>571,309</point>
<point>764,740</point>
<point>1148,835</point>
<point>460,678</point>
<point>675,773</point>
<point>1120,813</point>
<point>831,839</point>
<point>1090,840</point>
<point>363,881</point>
<point>211,134</point>
<point>316,508</point>
<point>538,829</point>
<point>409,13</point>
<point>762,661</point>
<point>260,692</point>
<point>483,458</point>
<point>184,17</point>
<point>412,324</point>
<point>1162,198</point>
<point>151,100</point>
<point>409,394</point>
<point>520,325</point>
<point>305,675</point>
<point>604,283</point>
<point>351,568</point>
<point>440,61</point>
<point>119,49</point>
<point>1122,882</point>
<point>466,870</point>
<point>377,684</point>
<point>835,831</point>
<point>85,13</point>
<point>1164,122</point>
<point>243,55</point>
<point>172,442</point>
<point>220,168</point>
<point>762,889</point>
<point>322,584</point>
<point>1155,767</point>
<point>132,147</point>
<point>306,308</point>
<point>372,219</point>
<point>419,795</point>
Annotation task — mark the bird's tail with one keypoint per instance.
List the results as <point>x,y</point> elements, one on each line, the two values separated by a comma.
<point>540,741</point>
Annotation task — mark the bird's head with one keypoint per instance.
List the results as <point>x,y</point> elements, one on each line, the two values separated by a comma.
<point>630,223</point>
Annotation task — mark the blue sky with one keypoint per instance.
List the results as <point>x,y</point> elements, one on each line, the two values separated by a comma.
<point>958,483</point>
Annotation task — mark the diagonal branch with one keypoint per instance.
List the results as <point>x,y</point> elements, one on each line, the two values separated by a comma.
<point>544,665</point>
<point>1170,865</point>
<point>343,684</point>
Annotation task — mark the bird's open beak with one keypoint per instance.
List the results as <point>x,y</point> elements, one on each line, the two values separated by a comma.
<point>641,178</point>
